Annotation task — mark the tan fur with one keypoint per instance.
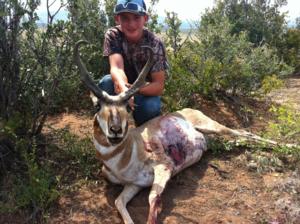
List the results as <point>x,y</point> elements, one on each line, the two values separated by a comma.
<point>99,135</point>
<point>127,153</point>
<point>101,139</point>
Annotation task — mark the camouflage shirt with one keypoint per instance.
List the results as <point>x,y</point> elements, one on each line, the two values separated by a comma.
<point>134,56</point>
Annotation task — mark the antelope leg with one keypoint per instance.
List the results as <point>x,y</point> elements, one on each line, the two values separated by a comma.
<point>161,176</point>
<point>126,195</point>
<point>110,176</point>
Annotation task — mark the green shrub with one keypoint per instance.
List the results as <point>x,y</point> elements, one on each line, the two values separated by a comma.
<point>81,152</point>
<point>219,62</point>
<point>287,125</point>
<point>270,83</point>
<point>32,185</point>
<point>286,129</point>
<point>290,48</point>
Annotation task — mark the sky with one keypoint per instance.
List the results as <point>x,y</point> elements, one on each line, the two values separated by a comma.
<point>192,9</point>
<point>188,10</point>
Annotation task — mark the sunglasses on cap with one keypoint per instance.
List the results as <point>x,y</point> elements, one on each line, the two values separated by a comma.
<point>134,6</point>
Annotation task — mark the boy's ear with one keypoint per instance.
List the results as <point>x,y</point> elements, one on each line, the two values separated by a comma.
<point>146,18</point>
<point>117,19</point>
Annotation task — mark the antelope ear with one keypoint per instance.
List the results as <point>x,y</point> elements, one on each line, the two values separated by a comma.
<point>94,99</point>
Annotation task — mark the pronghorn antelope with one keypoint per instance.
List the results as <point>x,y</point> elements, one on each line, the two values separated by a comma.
<point>151,154</point>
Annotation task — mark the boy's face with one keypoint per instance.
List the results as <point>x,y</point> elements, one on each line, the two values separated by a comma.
<point>131,25</point>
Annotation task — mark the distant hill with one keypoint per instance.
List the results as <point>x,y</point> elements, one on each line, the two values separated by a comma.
<point>185,26</point>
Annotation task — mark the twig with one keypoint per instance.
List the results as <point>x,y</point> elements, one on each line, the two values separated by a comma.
<point>222,173</point>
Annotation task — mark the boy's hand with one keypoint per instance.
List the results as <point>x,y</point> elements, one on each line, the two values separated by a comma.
<point>131,103</point>
<point>119,89</point>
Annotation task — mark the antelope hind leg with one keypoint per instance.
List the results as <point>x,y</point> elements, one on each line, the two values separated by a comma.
<point>162,174</point>
<point>126,195</point>
<point>203,123</point>
<point>206,125</point>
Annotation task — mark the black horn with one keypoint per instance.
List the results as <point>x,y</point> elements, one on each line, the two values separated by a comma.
<point>102,95</point>
<point>85,75</point>
<point>141,80</point>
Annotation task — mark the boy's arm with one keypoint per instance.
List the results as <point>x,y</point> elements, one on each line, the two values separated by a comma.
<point>117,72</point>
<point>156,86</point>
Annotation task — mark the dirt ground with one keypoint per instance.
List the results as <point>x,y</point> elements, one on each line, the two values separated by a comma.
<point>289,93</point>
<point>228,187</point>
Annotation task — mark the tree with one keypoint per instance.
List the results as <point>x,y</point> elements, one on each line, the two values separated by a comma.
<point>109,9</point>
<point>38,77</point>
<point>262,20</point>
<point>218,63</point>
<point>290,48</point>
<point>10,30</point>
<point>298,23</point>
<point>89,22</point>
<point>153,23</point>
<point>173,38</point>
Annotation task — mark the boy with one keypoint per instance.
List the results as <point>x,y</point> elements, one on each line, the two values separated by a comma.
<point>122,46</point>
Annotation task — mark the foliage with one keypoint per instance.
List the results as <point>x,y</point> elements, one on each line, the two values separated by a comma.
<point>89,22</point>
<point>285,129</point>
<point>153,24</point>
<point>219,145</point>
<point>287,125</point>
<point>261,20</point>
<point>44,77</point>
<point>219,62</point>
<point>41,177</point>
<point>32,187</point>
<point>10,20</point>
<point>173,38</point>
<point>290,48</point>
<point>270,83</point>
<point>37,78</point>
<point>109,10</point>
<point>298,23</point>
<point>80,152</point>
<point>180,85</point>
<point>39,189</point>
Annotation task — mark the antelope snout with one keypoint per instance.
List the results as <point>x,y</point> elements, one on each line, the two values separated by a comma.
<point>115,129</point>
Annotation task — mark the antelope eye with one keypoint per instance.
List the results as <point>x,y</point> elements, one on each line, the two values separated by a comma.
<point>97,107</point>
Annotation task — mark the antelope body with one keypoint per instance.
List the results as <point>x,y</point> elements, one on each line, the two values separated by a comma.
<point>151,154</point>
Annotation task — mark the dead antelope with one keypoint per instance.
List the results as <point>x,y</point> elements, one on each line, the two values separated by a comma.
<point>151,154</point>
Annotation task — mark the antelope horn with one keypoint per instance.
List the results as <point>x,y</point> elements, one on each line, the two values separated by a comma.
<point>85,76</point>
<point>141,80</point>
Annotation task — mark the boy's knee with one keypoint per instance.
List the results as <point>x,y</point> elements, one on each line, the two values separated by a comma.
<point>153,106</point>
<point>107,84</point>
<point>146,109</point>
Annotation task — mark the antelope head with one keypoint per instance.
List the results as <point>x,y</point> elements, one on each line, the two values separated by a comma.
<point>113,111</point>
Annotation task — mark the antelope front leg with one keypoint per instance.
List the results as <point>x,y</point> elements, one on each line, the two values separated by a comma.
<point>161,176</point>
<point>126,195</point>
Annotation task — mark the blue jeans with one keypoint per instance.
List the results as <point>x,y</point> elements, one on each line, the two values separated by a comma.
<point>146,107</point>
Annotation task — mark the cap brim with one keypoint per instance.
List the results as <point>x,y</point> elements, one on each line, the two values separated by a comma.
<point>130,11</point>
